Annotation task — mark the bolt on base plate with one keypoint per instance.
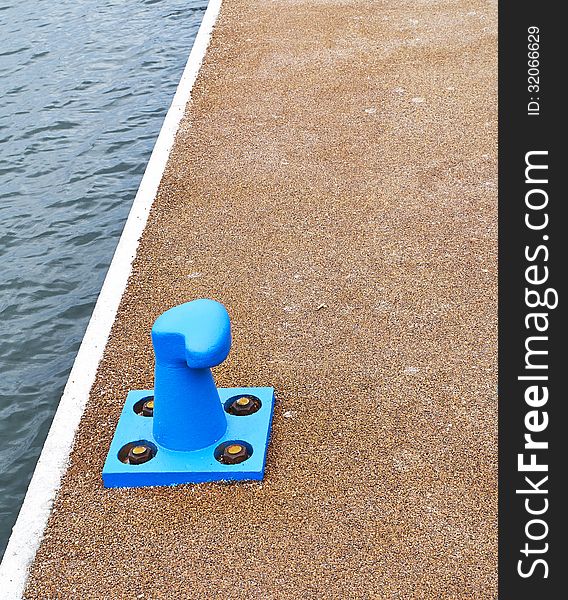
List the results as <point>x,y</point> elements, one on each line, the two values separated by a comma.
<point>170,467</point>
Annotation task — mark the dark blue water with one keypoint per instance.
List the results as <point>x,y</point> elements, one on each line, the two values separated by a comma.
<point>84,87</point>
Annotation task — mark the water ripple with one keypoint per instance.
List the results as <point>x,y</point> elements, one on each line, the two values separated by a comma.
<point>84,89</point>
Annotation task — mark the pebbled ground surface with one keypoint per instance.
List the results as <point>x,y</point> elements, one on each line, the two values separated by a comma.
<point>334,185</point>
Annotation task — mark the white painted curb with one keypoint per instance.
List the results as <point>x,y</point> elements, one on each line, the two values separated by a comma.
<point>32,519</point>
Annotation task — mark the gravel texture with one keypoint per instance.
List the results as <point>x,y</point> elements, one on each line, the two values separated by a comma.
<point>333,183</point>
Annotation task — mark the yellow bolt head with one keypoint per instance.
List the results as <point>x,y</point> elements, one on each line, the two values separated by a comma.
<point>138,450</point>
<point>234,449</point>
<point>243,401</point>
<point>150,404</point>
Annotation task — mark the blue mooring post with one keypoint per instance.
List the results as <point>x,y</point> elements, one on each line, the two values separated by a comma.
<point>187,430</point>
<point>188,340</point>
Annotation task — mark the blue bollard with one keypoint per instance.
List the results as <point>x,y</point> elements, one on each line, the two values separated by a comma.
<point>187,430</point>
<point>188,340</point>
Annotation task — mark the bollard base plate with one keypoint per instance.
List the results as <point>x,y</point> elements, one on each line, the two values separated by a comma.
<point>169,467</point>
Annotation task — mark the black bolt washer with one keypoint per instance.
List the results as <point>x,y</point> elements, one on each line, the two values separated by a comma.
<point>139,454</point>
<point>243,405</point>
<point>148,408</point>
<point>233,453</point>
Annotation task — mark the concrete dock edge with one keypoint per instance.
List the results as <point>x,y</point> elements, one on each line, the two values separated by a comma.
<point>29,528</point>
